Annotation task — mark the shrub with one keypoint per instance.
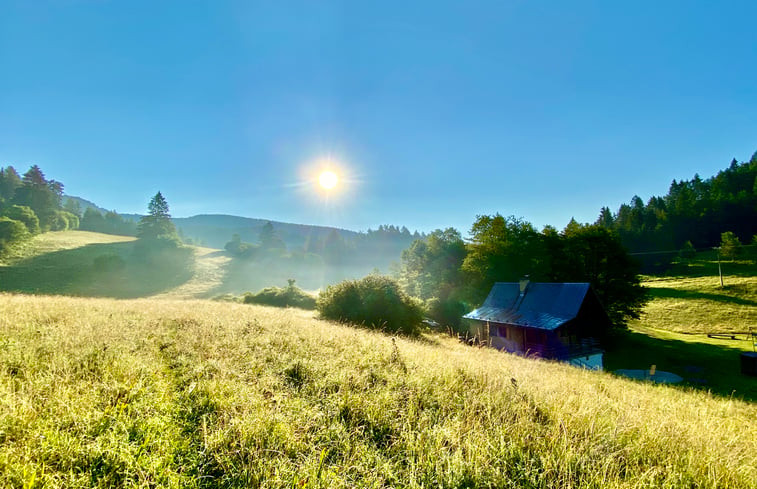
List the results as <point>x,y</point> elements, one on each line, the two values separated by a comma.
<point>73,219</point>
<point>448,312</point>
<point>730,246</point>
<point>240,249</point>
<point>375,301</point>
<point>24,214</point>
<point>290,296</point>
<point>157,246</point>
<point>688,251</point>
<point>11,231</point>
<point>58,220</point>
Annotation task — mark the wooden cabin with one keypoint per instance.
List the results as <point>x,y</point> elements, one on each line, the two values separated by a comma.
<point>559,321</point>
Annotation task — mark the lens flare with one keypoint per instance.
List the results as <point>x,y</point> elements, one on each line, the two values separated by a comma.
<point>328,179</point>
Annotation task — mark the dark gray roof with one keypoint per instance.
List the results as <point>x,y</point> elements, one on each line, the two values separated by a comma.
<point>543,306</point>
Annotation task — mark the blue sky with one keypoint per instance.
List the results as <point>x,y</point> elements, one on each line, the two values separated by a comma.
<point>433,112</point>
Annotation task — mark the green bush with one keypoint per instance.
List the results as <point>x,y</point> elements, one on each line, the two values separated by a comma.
<point>374,301</point>
<point>73,220</point>
<point>240,249</point>
<point>59,220</point>
<point>448,312</point>
<point>290,296</point>
<point>688,251</point>
<point>730,246</point>
<point>149,248</point>
<point>11,231</point>
<point>24,214</point>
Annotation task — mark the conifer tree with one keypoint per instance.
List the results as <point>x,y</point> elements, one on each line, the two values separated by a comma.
<point>157,224</point>
<point>9,182</point>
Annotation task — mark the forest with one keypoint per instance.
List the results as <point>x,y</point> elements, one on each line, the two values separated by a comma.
<point>694,214</point>
<point>31,204</point>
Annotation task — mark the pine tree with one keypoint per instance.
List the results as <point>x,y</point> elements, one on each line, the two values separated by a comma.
<point>269,239</point>
<point>157,224</point>
<point>9,182</point>
<point>39,194</point>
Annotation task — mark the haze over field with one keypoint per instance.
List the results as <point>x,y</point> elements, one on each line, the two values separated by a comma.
<point>429,113</point>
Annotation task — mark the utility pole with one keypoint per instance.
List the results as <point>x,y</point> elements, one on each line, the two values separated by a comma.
<point>720,271</point>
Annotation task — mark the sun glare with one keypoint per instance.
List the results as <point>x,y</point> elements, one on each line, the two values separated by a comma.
<point>328,179</point>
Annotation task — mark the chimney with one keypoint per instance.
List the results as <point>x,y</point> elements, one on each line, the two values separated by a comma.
<point>524,285</point>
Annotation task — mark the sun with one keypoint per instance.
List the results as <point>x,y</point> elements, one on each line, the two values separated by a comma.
<point>328,179</point>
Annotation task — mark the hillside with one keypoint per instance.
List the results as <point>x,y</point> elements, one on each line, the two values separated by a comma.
<point>215,230</point>
<point>689,298</point>
<point>91,264</point>
<point>200,394</point>
<point>65,263</point>
<point>687,305</point>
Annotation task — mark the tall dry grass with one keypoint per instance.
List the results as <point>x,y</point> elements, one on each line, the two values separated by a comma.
<point>148,393</point>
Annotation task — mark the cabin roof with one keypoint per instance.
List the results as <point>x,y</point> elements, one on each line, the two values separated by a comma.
<point>542,305</point>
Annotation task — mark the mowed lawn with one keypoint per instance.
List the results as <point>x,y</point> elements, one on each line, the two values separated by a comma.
<point>167,393</point>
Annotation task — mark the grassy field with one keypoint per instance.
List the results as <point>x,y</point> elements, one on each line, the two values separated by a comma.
<point>686,304</point>
<point>94,265</point>
<point>145,393</point>
<point>689,299</point>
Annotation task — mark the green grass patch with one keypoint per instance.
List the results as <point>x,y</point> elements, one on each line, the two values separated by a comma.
<point>708,364</point>
<point>690,299</point>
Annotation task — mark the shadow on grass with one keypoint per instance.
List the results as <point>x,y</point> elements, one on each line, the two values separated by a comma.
<point>99,270</point>
<point>671,293</point>
<point>707,266</point>
<point>703,366</point>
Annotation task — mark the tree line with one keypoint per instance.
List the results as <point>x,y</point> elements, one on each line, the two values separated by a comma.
<point>31,204</point>
<point>324,259</point>
<point>694,214</point>
<point>453,275</point>
<point>109,223</point>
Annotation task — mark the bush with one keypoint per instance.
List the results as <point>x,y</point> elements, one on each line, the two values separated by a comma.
<point>448,312</point>
<point>157,246</point>
<point>24,214</point>
<point>688,251</point>
<point>730,246</point>
<point>290,296</point>
<point>73,220</point>
<point>58,220</point>
<point>240,249</point>
<point>11,231</point>
<point>374,301</point>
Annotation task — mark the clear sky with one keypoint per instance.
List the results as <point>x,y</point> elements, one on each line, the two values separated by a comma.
<point>431,112</point>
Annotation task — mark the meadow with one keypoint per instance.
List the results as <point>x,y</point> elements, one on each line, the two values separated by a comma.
<point>689,298</point>
<point>170,393</point>
<point>83,263</point>
<point>163,392</point>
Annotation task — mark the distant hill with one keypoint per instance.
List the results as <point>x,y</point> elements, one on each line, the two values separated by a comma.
<point>215,230</point>
<point>314,255</point>
<point>84,204</point>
